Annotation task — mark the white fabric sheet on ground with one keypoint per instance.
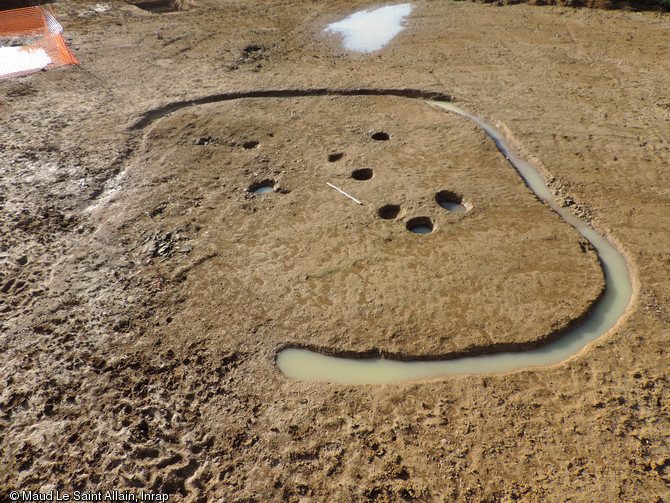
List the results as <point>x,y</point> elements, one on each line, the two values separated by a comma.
<point>21,59</point>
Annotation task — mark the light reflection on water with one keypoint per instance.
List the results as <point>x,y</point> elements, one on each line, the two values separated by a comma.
<point>263,190</point>
<point>368,31</point>
<point>453,207</point>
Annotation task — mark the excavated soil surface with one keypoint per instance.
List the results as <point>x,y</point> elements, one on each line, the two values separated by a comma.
<point>145,288</point>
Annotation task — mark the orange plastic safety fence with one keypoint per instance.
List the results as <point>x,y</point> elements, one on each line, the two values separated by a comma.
<point>33,22</point>
<point>26,21</point>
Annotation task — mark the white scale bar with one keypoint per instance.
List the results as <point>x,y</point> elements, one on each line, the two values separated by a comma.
<point>343,192</point>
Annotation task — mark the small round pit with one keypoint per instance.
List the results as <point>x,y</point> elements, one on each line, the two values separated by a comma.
<point>450,201</point>
<point>389,211</point>
<point>262,187</point>
<point>420,225</point>
<point>248,145</point>
<point>361,174</point>
<point>335,157</point>
<point>380,136</point>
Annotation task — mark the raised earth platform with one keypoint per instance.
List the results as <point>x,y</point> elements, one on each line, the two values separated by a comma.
<point>145,289</point>
<point>303,265</point>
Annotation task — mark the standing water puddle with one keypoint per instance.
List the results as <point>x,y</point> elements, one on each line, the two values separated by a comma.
<point>367,31</point>
<point>453,207</point>
<point>421,229</point>
<point>307,365</point>
<point>420,225</point>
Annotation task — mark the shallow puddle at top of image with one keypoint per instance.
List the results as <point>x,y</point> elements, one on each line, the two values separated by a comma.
<point>370,30</point>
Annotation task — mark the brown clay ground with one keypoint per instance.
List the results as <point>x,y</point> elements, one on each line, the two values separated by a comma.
<point>145,291</point>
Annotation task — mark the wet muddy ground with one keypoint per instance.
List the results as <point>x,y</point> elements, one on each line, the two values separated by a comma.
<point>145,290</point>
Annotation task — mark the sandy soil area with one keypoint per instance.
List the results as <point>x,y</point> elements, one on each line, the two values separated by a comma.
<point>145,290</point>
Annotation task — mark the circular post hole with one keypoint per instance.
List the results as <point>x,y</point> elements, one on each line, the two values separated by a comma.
<point>380,136</point>
<point>420,225</point>
<point>450,201</point>
<point>361,174</point>
<point>389,211</point>
<point>248,145</point>
<point>262,187</point>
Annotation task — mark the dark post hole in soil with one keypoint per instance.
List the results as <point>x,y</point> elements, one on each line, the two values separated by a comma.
<point>389,211</point>
<point>362,174</point>
<point>380,136</point>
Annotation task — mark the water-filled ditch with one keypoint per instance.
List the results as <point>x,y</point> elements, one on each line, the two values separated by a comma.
<point>303,364</point>
<point>309,365</point>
